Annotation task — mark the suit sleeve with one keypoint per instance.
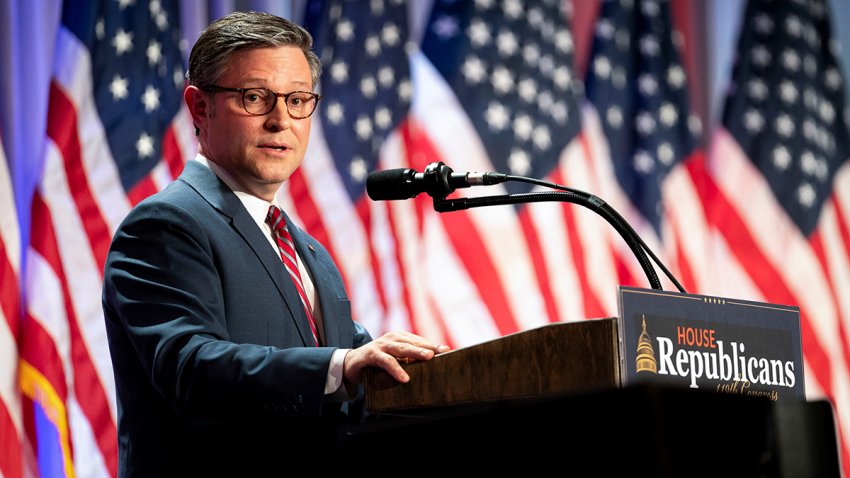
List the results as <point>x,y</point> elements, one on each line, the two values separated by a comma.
<point>167,322</point>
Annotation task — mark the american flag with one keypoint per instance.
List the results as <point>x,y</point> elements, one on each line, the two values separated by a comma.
<point>112,58</point>
<point>780,199</point>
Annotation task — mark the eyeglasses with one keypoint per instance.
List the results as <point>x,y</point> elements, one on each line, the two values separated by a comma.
<point>261,101</point>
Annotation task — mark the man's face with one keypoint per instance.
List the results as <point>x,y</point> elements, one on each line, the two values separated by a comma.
<point>260,152</point>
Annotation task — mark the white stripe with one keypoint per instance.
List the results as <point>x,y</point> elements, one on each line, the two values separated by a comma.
<point>351,248</point>
<point>436,108</point>
<point>88,460</point>
<point>72,73</point>
<point>10,397</point>
<point>81,269</point>
<point>9,230</point>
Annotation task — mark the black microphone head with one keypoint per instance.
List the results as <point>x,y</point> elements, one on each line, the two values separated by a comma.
<point>391,184</point>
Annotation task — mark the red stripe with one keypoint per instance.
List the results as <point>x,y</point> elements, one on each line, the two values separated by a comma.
<point>465,238</point>
<point>842,225</point>
<point>87,386</point>
<point>725,219</point>
<point>38,348</point>
<point>10,451</point>
<point>62,129</point>
<point>816,243</point>
<point>10,294</point>
<point>538,261</point>
<point>364,212</point>
<point>142,189</point>
<point>171,153</point>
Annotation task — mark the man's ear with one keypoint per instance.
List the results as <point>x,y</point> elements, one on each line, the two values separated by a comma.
<point>198,103</point>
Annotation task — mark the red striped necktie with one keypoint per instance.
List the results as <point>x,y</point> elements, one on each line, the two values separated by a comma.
<point>283,239</point>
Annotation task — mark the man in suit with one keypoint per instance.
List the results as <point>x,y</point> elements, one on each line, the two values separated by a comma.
<point>231,336</point>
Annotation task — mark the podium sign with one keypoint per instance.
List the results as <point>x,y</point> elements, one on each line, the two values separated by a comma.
<point>727,345</point>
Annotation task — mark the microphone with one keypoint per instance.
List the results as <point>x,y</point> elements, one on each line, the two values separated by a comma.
<point>438,181</point>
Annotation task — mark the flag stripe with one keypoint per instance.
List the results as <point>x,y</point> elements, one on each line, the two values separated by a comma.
<point>538,262</point>
<point>87,383</point>
<point>62,130</point>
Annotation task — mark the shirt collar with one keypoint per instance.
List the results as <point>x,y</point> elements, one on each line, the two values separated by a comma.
<point>258,208</point>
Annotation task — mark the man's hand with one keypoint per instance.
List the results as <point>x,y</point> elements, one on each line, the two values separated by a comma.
<point>385,352</point>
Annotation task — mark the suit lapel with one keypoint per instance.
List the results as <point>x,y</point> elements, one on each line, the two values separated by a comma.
<point>219,196</point>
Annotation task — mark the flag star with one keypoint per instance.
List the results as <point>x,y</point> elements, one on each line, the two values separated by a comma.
<point>100,29</point>
<point>602,67</point>
<point>761,56</point>
<point>383,118</point>
<point>560,112</point>
<point>548,31</point>
<point>497,116</point>
<point>675,76</point>
<point>527,89</point>
<point>810,66</point>
<point>535,17</point>
<point>643,162</point>
<point>531,54</point>
<point>822,169</point>
<point>650,8</point>
<point>155,7</point>
<point>541,138</point>
<point>694,125</point>
<point>808,163</point>
<point>335,112</point>
<point>373,46</point>
<point>605,29</point>
<point>161,20</point>
<point>788,91</point>
<point>390,35</point>
<point>150,98</point>
<point>502,80</point>
<point>806,195</point>
<point>363,127</point>
<point>483,4</point>
<point>144,145</point>
<point>478,33</point>
<point>562,78</point>
<point>386,76</point>
<point>781,157</point>
<point>368,87</point>
<point>506,43</point>
<point>405,90</point>
<point>763,23</point>
<point>784,125</point>
<point>357,169</point>
<point>623,40</point>
<point>666,154</point>
<point>563,41</point>
<point>827,112</point>
<point>154,53</point>
<point>345,30</point>
<point>614,116</point>
<point>647,84</point>
<point>122,41</point>
<point>811,36</point>
<point>339,72</point>
<point>122,4</point>
<point>474,70</point>
<point>445,27</point>
<point>649,45</point>
<point>791,60</point>
<point>753,120</point>
<point>118,87</point>
<point>668,114</point>
<point>179,80</point>
<point>544,100</point>
<point>793,26</point>
<point>618,77</point>
<point>376,7</point>
<point>523,127</point>
<point>546,65</point>
<point>513,9</point>
<point>832,78</point>
<point>757,89</point>
<point>645,123</point>
<point>519,162</point>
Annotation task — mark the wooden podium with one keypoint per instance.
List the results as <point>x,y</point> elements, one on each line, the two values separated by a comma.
<point>549,361</point>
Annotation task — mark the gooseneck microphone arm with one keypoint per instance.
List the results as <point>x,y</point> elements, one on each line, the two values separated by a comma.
<point>439,180</point>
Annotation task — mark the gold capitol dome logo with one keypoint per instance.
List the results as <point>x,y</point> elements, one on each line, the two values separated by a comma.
<point>645,361</point>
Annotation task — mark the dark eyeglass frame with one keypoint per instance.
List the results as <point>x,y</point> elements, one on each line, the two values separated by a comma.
<point>242,91</point>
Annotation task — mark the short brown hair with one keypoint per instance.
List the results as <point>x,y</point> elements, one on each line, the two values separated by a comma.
<point>240,31</point>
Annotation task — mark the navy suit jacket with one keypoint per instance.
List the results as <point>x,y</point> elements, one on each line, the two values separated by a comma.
<point>209,340</point>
